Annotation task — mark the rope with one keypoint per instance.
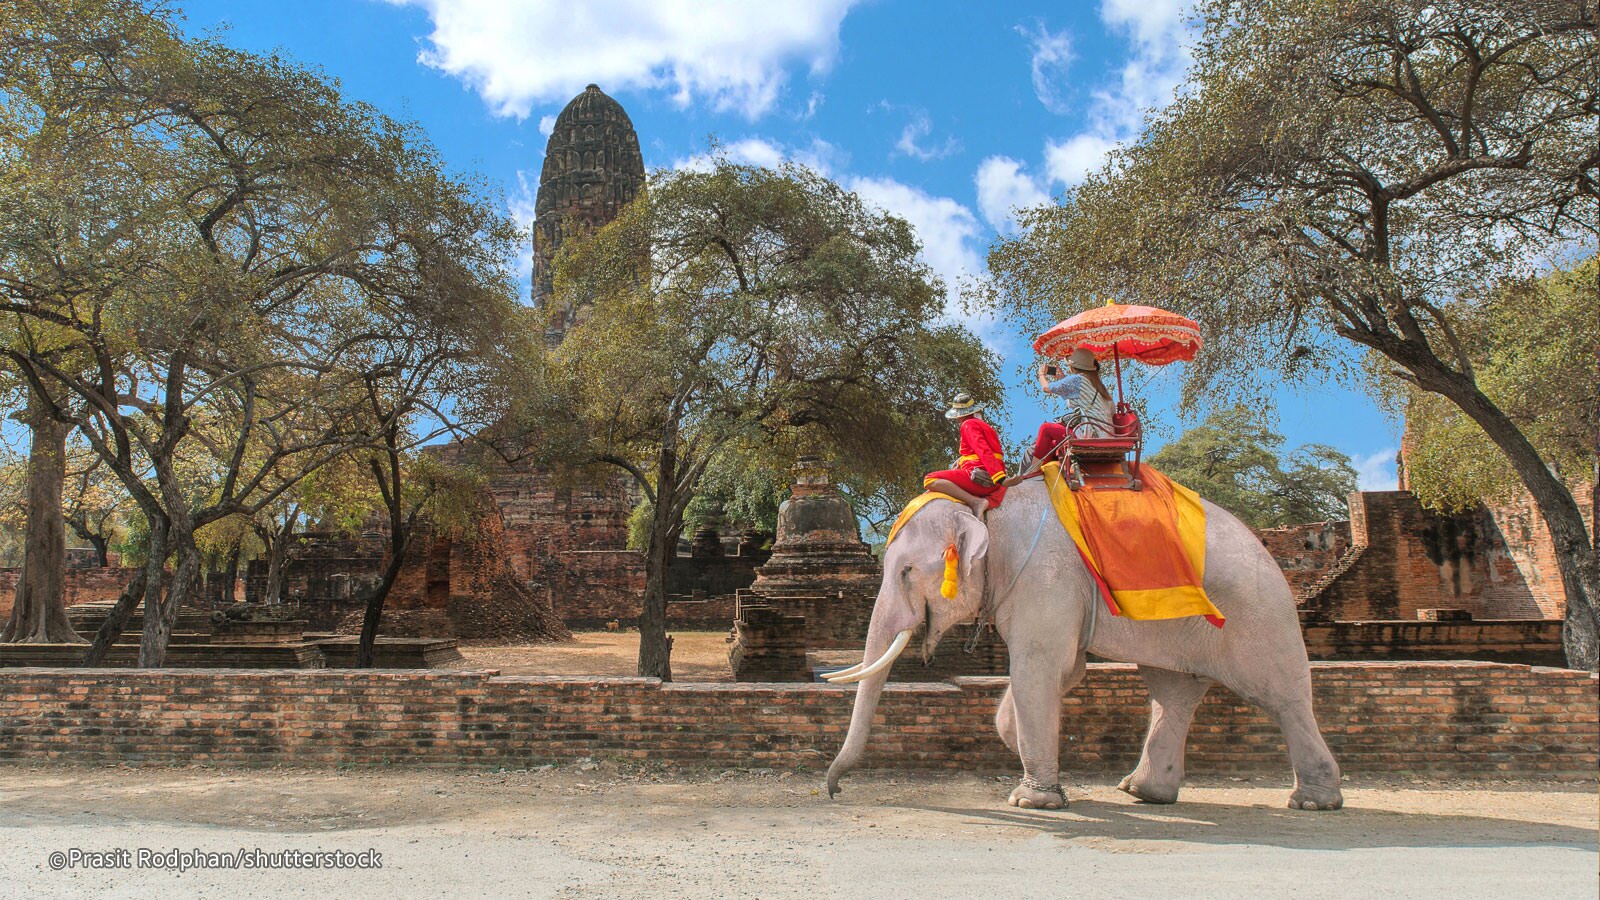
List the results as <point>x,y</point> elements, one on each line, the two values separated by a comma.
<point>1043,514</point>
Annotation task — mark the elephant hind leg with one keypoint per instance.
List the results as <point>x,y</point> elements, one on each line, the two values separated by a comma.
<point>1174,696</point>
<point>1316,774</point>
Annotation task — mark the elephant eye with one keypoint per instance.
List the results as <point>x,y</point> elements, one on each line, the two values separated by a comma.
<point>905,574</point>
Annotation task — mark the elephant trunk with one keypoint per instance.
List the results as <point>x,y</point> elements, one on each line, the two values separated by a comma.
<point>879,638</point>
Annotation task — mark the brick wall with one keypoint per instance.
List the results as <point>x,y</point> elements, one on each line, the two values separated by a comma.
<point>1528,544</point>
<point>1406,558</point>
<point>1306,552</point>
<point>83,585</point>
<point>1535,642</point>
<point>1442,719</point>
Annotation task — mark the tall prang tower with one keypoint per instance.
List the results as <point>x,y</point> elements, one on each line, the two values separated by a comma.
<point>592,169</point>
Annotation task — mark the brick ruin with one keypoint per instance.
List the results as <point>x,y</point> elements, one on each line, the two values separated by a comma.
<point>1393,581</point>
<point>811,602</point>
<point>592,169</point>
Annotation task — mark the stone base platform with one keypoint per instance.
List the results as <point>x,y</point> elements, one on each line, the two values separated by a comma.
<point>183,652</point>
<point>388,653</point>
<point>88,617</point>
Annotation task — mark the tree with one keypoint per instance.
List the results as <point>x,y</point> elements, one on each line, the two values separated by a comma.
<point>38,611</point>
<point>1235,460</point>
<point>1532,346</point>
<point>1357,175</point>
<point>96,506</point>
<point>217,251</point>
<point>741,316</point>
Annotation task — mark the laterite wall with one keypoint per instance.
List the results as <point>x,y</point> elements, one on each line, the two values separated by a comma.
<point>1443,719</point>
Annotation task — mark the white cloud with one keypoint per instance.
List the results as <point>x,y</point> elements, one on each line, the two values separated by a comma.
<point>733,54</point>
<point>948,230</point>
<point>1069,161</point>
<point>521,206</point>
<point>1003,187</point>
<point>1376,471</point>
<point>1159,39</point>
<point>755,151</point>
<point>813,103</point>
<point>1160,36</point>
<point>1052,56</point>
<point>547,125</point>
<point>918,128</point>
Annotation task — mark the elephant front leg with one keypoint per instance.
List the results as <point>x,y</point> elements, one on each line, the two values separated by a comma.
<point>1173,699</point>
<point>1035,697</point>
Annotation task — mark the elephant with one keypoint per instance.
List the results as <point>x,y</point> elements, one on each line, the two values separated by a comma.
<point>1020,567</point>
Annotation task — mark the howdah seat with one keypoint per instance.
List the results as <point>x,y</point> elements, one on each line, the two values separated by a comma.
<point>1087,459</point>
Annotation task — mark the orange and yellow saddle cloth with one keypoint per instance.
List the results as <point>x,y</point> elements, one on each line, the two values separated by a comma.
<point>1146,549</point>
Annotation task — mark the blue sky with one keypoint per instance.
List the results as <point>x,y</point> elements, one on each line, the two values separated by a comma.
<point>947,113</point>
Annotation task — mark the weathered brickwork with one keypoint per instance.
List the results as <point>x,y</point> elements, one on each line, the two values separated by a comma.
<point>1439,719</point>
<point>1534,641</point>
<point>1528,543</point>
<point>83,585</point>
<point>1405,558</point>
<point>1306,552</point>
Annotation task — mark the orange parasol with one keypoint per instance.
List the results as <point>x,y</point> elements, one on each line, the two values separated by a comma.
<point>1145,333</point>
<point>1118,330</point>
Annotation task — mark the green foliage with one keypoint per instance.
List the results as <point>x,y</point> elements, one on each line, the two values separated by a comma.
<point>730,321</point>
<point>742,317</point>
<point>1365,171</point>
<point>228,277</point>
<point>1533,345</point>
<point>1235,460</point>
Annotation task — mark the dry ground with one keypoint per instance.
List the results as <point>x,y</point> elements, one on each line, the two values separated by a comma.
<point>696,656</point>
<point>595,830</point>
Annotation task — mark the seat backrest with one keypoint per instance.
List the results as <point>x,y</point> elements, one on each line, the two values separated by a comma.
<point>1125,422</point>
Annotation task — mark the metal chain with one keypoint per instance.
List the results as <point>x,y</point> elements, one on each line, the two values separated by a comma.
<point>1032,785</point>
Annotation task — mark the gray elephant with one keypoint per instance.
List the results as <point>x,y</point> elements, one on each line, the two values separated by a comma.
<point>1046,607</point>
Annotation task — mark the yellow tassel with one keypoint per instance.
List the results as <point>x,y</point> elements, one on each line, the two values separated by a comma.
<point>952,579</point>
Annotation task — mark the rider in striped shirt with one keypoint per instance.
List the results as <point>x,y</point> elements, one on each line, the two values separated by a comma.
<point>1089,403</point>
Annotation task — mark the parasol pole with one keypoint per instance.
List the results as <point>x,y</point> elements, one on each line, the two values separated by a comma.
<point>1116,357</point>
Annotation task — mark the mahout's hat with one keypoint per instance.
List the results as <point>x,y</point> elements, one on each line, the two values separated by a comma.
<point>962,406</point>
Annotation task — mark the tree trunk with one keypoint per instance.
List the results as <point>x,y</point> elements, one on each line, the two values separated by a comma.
<point>1574,551</point>
<point>146,586</point>
<point>39,611</point>
<point>277,550</point>
<point>655,647</point>
<point>365,647</point>
<point>101,545</point>
<point>160,617</point>
<point>230,578</point>
<point>116,619</point>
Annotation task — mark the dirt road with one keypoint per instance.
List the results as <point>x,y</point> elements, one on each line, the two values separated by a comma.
<point>592,830</point>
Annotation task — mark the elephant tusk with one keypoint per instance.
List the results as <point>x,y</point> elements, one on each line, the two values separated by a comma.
<point>850,671</point>
<point>883,662</point>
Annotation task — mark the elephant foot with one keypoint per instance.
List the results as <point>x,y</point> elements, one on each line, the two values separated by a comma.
<point>1316,798</point>
<point>1142,789</point>
<point>1035,796</point>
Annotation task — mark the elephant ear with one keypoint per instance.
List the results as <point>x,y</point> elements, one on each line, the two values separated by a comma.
<point>972,544</point>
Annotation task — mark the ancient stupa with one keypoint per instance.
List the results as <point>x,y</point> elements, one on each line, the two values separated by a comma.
<point>814,593</point>
<point>592,169</point>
